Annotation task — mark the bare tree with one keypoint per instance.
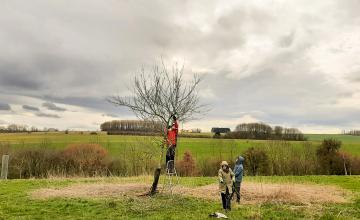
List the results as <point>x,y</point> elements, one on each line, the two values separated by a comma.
<point>160,94</point>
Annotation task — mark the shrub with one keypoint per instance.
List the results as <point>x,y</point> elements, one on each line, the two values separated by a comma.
<point>27,163</point>
<point>80,160</point>
<point>209,166</point>
<point>117,167</point>
<point>187,166</point>
<point>88,159</point>
<point>347,164</point>
<point>77,159</point>
<point>329,158</point>
<point>217,135</point>
<point>285,159</point>
<point>256,161</point>
<point>354,168</point>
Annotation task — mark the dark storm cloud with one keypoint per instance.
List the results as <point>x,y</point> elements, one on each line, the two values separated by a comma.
<point>5,107</point>
<point>19,77</point>
<point>10,80</point>
<point>31,108</point>
<point>45,115</point>
<point>96,103</point>
<point>58,59</point>
<point>52,106</point>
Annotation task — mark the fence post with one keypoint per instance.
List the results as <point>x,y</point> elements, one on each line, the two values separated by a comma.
<point>4,167</point>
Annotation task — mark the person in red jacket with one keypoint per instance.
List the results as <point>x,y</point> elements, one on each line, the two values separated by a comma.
<point>172,134</point>
<point>171,144</point>
<point>175,124</point>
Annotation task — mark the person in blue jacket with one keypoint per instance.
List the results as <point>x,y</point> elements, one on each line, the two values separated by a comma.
<point>239,172</point>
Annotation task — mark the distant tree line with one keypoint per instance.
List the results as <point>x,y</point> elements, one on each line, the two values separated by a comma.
<point>131,127</point>
<point>193,130</point>
<point>261,131</point>
<point>352,132</point>
<point>17,128</point>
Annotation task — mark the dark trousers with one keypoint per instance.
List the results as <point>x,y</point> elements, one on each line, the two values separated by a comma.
<point>226,200</point>
<point>170,154</point>
<point>237,186</point>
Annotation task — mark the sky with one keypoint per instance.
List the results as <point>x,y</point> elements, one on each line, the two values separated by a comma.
<point>288,63</point>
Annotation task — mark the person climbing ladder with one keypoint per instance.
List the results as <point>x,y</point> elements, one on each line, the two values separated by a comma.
<point>172,134</point>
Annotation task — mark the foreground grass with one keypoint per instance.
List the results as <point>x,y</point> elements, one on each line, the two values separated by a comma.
<point>15,202</point>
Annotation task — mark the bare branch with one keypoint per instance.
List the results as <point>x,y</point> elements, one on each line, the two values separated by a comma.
<point>162,93</point>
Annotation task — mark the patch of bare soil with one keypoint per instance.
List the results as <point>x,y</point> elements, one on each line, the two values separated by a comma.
<point>251,193</point>
<point>91,191</point>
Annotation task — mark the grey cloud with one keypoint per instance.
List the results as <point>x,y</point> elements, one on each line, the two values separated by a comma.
<point>9,80</point>
<point>2,122</point>
<point>15,78</point>
<point>96,103</point>
<point>344,94</point>
<point>351,7</point>
<point>287,40</point>
<point>56,64</point>
<point>354,77</point>
<point>239,17</point>
<point>5,107</point>
<point>109,115</point>
<point>82,55</point>
<point>267,98</point>
<point>31,108</point>
<point>52,106</point>
<point>318,117</point>
<point>41,114</point>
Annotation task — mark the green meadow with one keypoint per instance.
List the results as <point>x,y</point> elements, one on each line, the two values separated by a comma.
<point>16,201</point>
<point>199,147</point>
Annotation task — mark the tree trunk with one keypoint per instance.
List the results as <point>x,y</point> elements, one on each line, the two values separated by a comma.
<point>153,189</point>
<point>156,181</point>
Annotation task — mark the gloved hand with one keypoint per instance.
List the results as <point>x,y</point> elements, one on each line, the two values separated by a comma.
<point>233,179</point>
<point>221,181</point>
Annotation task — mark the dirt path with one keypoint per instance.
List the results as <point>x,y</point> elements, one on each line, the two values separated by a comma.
<point>252,193</point>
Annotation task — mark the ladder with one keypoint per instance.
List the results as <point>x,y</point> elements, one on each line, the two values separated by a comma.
<point>169,182</point>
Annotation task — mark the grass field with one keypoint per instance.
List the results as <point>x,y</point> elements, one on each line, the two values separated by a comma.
<point>17,203</point>
<point>200,147</point>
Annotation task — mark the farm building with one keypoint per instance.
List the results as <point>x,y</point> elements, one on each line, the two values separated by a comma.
<point>218,131</point>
